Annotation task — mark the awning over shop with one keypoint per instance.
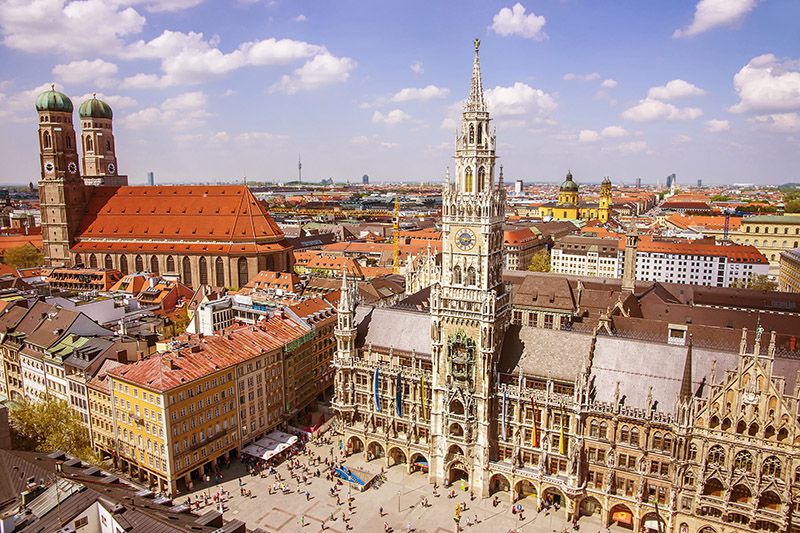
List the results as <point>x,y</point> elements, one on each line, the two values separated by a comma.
<point>273,444</point>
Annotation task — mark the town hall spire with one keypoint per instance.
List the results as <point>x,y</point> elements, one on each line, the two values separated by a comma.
<point>476,102</point>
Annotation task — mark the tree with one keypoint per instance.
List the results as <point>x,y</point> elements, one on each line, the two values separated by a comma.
<point>50,425</point>
<point>24,256</point>
<point>760,282</point>
<point>792,206</point>
<point>540,262</point>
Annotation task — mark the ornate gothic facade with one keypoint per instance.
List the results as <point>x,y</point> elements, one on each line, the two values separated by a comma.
<point>655,433</point>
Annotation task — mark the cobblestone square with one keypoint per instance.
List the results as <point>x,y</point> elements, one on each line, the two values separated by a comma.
<point>400,497</point>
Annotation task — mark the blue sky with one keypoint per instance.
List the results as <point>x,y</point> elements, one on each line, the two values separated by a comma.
<point>212,90</point>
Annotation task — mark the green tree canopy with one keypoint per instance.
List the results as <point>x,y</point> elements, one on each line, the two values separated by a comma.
<point>540,262</point>
<point>50,425</point>
<point>24,256</point>
<point>760,282</point>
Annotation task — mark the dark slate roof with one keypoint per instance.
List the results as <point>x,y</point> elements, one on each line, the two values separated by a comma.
<point>387,327</point>
<point>544,353</point>
<point>637,365</point>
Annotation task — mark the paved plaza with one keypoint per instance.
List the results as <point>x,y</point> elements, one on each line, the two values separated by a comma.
<point>400,496</point>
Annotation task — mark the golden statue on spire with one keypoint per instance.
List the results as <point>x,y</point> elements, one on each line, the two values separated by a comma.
<point>477,44</point>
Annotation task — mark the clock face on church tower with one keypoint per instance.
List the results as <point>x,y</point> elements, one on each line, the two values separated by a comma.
<point>72,167</point>
<point>111,168</point>
<point>49,167</point>
<point>465,239</point>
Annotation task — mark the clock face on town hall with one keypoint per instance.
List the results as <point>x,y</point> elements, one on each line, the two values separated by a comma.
<point>465,239</point>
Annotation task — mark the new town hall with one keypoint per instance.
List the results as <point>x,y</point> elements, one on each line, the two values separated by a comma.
<point>659,407</point>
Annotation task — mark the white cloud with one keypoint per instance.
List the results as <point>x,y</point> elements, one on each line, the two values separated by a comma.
<point>300,18</point>
<point>614,131</point>
<point>716,126</point>
<point>183,111</point>
<point>359,140</point>
<point>385,144</point>
<point>571,76</point>
<point>448,124</point>
<point>587,136</point>
<point>648,110</point>
<point>767,85</point>
<point>156,6</point>
<point>188,58</point>
<point>423,94</point>
<point>514,21</point>
<point>633,147</point>
<point>609,83</point>
<point>323,69</point>
<point>116,101</point>
<point>673,90</point>
<point>396,116</point>
<point>71,27</point>
<point>710,14</point>
<point>259,137</point>
<point>682,139</point>
<point>18,106</point>
<point>417,67</point>
<point>519,99</point>
<point>780,122</point>
<point>96,71</point>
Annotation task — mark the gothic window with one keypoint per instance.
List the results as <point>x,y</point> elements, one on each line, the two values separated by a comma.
<point>93,261</point>
<point>688,478</point>
<point>471,276</point>
<point>78,260</point>
<point>457,274</point>
<point>154,264</point>
<point>123,264</point>
<point>219,267</point>
<point>753,430</point>
<point>657,440</point>
<point>716,456</point>
<point>603,430</point>
<point>108,146</point>
<point>783,433</point>
<point>69,141</point>
<point>468,180</point>
<point>623,434</point>
<point>743,461</point>
<point>480,134</point>
<point>481,179</point>
<point>635,436</point>
<point>769,432</point>
<point>471,134</point>
<point>244,275</point>
<point>667,446</point>
<point>771,467</point>
<point>89,144</point>
<point>456,407</point>
<point>108,262</point>
<point>741,426</point>
<point>138,263</point>
<point>170,264</point>
<point>203,268</point>
<point>186,278</point>
<point>46,141</point>
<point>594,429</point>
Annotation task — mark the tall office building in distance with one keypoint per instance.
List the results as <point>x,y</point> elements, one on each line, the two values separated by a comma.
<point>365,179</point>
<point>151,180</point>
<point>638,183</point>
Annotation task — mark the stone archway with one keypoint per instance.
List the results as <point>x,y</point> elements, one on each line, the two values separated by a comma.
<point>397,457</point>
<point>419,463</point>
<point>653,523</point>
<point>621,515</point>
<point>499,483</point>
<point>553,497</point>
<point>375,451</point>
<point>525,489</point>
<point>590,506</point>
<point>457,473</point>
<point>355,445</point>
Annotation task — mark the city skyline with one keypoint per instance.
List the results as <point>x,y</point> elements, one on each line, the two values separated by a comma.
<point>202,94</point>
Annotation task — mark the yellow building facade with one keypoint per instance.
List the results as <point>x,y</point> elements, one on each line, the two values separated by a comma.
<point>569,205</point>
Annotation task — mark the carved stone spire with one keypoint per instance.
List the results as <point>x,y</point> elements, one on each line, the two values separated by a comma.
<point>475,102</point>
<point>686,382</point>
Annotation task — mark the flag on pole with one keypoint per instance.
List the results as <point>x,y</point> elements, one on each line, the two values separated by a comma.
<point>561,444</point>
<point>376,386</point>
<point>398,396</point>
<point>503,419</point>
<point>422,384</point>
<point>534,435</point>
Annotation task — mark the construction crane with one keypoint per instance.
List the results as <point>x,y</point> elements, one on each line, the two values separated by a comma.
<point>396,236</point>
<point>727,212</point>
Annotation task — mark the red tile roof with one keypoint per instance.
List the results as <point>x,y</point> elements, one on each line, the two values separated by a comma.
<point>162,372</point>
<point>156,217</point>
<point>738,253</point>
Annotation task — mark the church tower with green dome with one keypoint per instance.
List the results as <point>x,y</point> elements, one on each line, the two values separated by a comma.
<point>62,194</point>
<point>97,145</point>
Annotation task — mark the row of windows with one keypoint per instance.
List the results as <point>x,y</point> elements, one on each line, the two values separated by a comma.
<point>774,230</point>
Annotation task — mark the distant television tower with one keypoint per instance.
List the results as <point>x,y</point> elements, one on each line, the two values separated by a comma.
<point>299,168</point>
